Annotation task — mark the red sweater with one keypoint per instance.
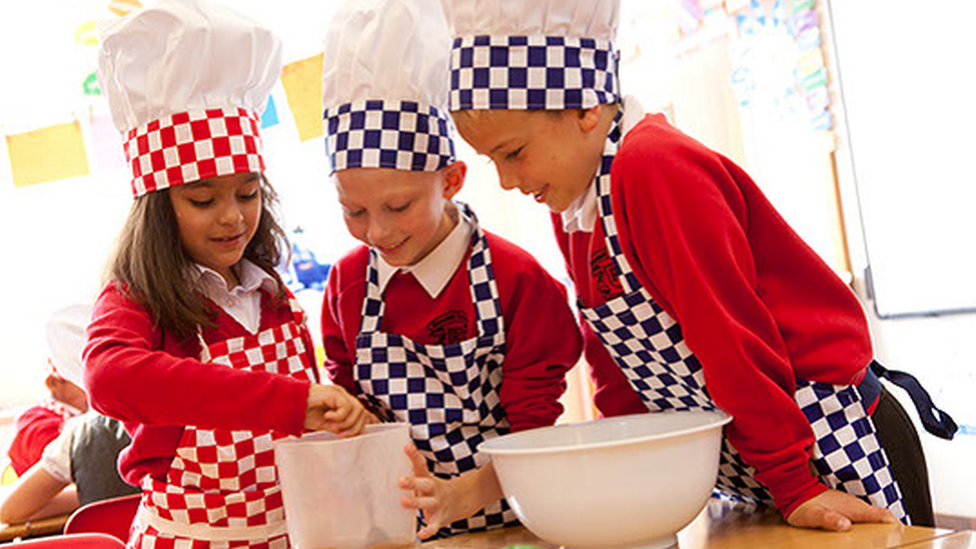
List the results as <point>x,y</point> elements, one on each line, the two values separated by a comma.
<point>155,383</point>
<point>542,339</point>
<point>757,306</point>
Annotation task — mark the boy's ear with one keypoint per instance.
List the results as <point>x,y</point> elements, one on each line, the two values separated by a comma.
<point>453,178</point>
<point>589,118</point>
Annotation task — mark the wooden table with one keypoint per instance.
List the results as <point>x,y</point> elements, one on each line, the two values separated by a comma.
<point>955,540</point>
<point>724,526</point>
<point>41,527</point>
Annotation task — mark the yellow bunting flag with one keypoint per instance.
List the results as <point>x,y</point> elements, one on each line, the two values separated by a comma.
<point>85,34</point>
<point>47,154</point>
<point>302,81</point>
<point>123,7</point>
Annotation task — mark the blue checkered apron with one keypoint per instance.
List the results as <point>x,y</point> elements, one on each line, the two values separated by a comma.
<point>448,393</point>
<point>648,345</point>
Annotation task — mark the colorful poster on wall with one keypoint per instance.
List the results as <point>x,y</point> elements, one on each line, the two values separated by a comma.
<point>47,154</point>
<point>302,81</point>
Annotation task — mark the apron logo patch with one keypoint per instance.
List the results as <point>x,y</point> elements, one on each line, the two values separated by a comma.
<point>448,328</point>
<point>606,275</point>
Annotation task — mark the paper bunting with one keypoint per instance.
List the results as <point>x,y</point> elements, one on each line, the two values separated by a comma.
<point>123,7</point>
<point>47,154</point>
<point>85,35</point>
<point>90,86</point>
<point>270,116</point>
<point>302,81</point>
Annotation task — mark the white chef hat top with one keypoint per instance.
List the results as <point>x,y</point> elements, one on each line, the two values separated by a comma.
<point>65,336</point>
<point>187,82</point>
<point>533,54</point>
<point>385,86</point>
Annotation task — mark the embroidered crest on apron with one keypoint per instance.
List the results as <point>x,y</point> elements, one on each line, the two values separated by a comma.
<point>448,393</point>
<point>648,345</point>
<point>222,487</point>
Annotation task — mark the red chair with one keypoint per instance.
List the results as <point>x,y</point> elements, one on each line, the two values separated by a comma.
<point>73,541</point>
<point>110,516</point>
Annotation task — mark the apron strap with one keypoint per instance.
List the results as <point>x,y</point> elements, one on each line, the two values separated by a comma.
<point>933,419</point>
<point>206,532</point>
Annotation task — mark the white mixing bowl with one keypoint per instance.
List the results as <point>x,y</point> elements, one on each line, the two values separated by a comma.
<point>629,481</point>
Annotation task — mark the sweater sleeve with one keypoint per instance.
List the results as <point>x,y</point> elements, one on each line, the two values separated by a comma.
<point>338,357</point>
<point>132,378</point>
<point>542,343</point>
<point>684,223</point>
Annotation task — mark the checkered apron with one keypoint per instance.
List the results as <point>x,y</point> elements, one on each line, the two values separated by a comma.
<point>221,490</point>
<point>648,345</point>
<point>448,393</point>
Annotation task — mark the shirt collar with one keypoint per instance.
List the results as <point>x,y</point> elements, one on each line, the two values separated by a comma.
<point>436,270</point>
<point>250,278</point>
<point>582,213</point>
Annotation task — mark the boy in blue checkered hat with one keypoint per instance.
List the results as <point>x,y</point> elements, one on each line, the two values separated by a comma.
<point>690,282</point>
<point>433,321</point>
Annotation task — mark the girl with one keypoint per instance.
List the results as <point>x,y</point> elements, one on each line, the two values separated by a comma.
<point>435,321</point>
<point>194,343</point>
<point>689,281</point>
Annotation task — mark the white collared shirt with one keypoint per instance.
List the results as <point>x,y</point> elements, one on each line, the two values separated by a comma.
<point>242,302</point>
<point>436,270</point>
<point>582,213</point>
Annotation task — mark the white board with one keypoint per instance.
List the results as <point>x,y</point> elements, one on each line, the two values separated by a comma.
<point>909,91</point>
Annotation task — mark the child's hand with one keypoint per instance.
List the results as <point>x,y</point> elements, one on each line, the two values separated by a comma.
<point>445,501</point>
<point>836,510</point>
<point>331,408</point>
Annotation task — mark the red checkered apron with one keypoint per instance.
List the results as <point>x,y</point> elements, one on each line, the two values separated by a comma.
<point>221,490</point>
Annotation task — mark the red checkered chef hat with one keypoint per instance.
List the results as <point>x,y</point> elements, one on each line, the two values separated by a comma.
<point>187,82</point>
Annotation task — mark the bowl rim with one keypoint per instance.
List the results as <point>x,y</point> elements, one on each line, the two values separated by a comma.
<point>721,419</point>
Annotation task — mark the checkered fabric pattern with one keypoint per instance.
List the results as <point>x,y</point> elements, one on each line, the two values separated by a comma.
<point>279,350</point>
<point>400,135</point>
<point>223,478</point>
<point>241,508</point>
<point>532,72</point>
<point>737,480</point>
<point>847,454</point>
<point>189,146</point>
<point>448,393</point>
<point>648,345</point>
<point>641,336</point>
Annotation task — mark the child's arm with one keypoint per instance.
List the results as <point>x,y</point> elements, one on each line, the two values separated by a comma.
<point>542,339</point>
<point>37,494</point>
<point>136,373</point>
<point>339,356</point>
<point>835,510</point>
<point>445,501</point>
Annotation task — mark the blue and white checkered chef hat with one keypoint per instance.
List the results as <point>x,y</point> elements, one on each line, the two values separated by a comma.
<point>385,86</point>
<point>533,54</point>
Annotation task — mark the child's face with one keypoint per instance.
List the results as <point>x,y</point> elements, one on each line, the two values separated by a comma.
<point>216,219</point>
<point>551,155</point>
<point>403,215</point>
